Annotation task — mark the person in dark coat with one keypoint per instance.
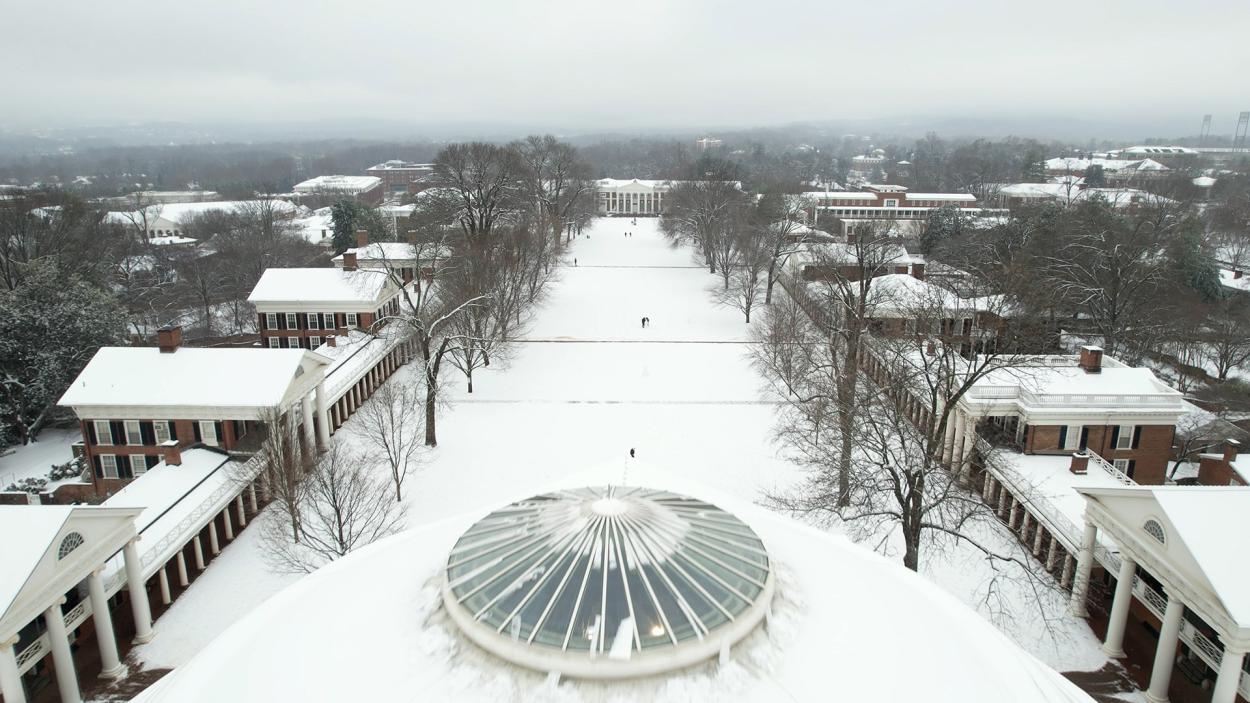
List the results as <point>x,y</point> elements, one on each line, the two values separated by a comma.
<point>631,452</point>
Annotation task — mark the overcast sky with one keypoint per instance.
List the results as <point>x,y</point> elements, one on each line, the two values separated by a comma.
<point>606,65</point>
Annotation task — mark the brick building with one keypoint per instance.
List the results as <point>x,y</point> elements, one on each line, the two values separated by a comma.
<point>137,404</point>
<point>300,307</point>
<point>1228,468</point>
<point>400,176</point>
<point>323,190</point>
<point>891,202</point>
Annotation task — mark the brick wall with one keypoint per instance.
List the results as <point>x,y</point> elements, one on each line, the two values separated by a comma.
<point>1150,456</point>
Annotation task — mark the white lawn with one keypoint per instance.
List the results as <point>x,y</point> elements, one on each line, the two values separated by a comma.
<point>588,385</point>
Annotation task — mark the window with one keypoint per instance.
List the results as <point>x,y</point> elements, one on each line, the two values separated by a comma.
<point>103,432</point>
<point>314,321</point>
<point>351,319</point>
<point>314,342</point>
<point>1154,529</point>
<point>1121,465</point>
<point>71,542</point>
<point>891,203</point>
<point>134,436</point>
<point>161,429</point>
<point>275,342</point>
<point>108,465</point>
<point>271,320</point>
<point>292,321</point>
<point>328,319</point>
<point>1124,440</point>
<point>208,432</point>
<point>138,463</point>
<point>1071,437</point>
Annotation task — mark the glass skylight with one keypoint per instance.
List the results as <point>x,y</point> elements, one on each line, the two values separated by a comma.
<point>608,582</point>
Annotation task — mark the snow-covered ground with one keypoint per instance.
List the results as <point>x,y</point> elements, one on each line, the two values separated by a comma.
<point>589,384</point>
<point>35,460</point>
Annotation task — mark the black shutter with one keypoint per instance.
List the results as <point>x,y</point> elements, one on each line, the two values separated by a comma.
<point>1132,465</point>
<point>1063,436</point>
<point>99,469</point>
<point>117,430</point>
<point>151,461</point>
<point>221,436</point>
<point>123,467</point>
<point>1136,436</point>
<point>92,439</point>
<point>1115,436</point>
<point>1084,438</point>
<point>281,320</point>
<point>173,431</point>
<point>147,432</point>
<point>196,425</point>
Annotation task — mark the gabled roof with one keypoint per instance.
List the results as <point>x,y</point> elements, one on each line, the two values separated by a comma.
<point>319,285</point>
<point>143,376</point>
<point>1204,535</point>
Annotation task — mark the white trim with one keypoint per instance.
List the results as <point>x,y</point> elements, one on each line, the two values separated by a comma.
<point>138,432</point>
<point>108,465</point>
<point>271,320</point>
<point>208,433</point>
<point>105,438</point>
<point>138,468</point>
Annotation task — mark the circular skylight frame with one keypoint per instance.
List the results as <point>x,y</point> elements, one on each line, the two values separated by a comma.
<point>526,582</point>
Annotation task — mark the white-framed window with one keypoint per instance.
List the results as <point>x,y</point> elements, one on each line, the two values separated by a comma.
<point>1154,529</point>
<point>314,321</point>
<point>275,342</point>
<point>891,202</point>
<point>1124,440</point>
<point>161,429</point>
<point>134,435</point>
<point>1072,439</point>
<point>103,432</point>
<point>138,464</point>
<point>328,320</point>
<point>208,432</point>
<point>271,320</point>
<point>352,319</point>
<point>314,342</point>
<point>292,321</point>
<point>1121,465</point>
<point>108,465</point>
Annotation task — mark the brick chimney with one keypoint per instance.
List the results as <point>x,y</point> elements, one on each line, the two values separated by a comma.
<point>1091,359</point>
<point>931,348</point>
<point>1236,273</point>
<point>172,452</point>
<point>917,271</point>
<point>169,338</point>
<point>362,237</point>
<point>349,261</point>
<point>332,340</point>
<point>1080,463</point>
<point>1231,448</point>
<point>412,237</point>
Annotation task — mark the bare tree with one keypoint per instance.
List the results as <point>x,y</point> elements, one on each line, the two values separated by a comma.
<point>704,211</point>
<point>1228,338</point>
<point>393,425</point>
<point>746,281</point>
<point>343,506</point>
<point>285,459</point>
<point>557,179</point>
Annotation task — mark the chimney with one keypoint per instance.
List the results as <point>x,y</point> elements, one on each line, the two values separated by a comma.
<point>1080,463</point>
<point>1231,447</point>
<point>412,237</point>
<point>349,261</point>
<point>931,349</point>
<point>1236,273</point>
<point>362,237</point>
<point>169,338</point>
<point>1091,359</point>
<point>332,340</point>
<point>917,271</point>
<point>172,452</point>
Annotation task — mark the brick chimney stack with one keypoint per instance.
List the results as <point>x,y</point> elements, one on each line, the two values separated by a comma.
<point>332,340</point>
<point>1236,273</point>
<point>1080,463</point>
<point>917,271</point>
<point>1231,448</point>
<point>1091,359</point>
<point>172,452</point>
<point>169,338</point>
<point>412,237</point>
<point>349,261</point>
<point>362,237</point>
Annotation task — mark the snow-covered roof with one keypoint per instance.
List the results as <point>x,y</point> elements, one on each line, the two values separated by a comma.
<point>1122,197</point>
<point>200,377</point>
<point>961,197</point>
<point>1231,280</point>
<point>37,526</point>
<point>381,252</point>
<point>320,285</point>
<point>338,184</point>
<point>1204,181</point>
<point>835,602</point>
<point>619,183</point>
<point>181,213</point>
<point>1060,375</point>
<point>316,227</point>
<point>1038,190</point>
<point>401,165</point>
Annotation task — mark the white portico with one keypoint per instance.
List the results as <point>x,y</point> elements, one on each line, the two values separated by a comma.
<point>47,553</point>
<point>632,196</point>
<point>1191,540</point>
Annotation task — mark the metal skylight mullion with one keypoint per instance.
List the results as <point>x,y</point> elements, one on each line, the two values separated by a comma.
<point>696,584</point>
<point>571,541</point>
<point>535,524</point>
<point>629,601</point>
<point>692,617</point>
<point>500,571</point>
<point>688,544</point>
<point>586,537</point>
<point>715,578</point>
<point>581,591</point>
<point>506,544</point>
<point>646,582</point>
<point>603,599</point>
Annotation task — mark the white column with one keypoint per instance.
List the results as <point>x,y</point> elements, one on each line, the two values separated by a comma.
<point>1011,517</point>
<point>1069,565</point>
<point>10,679</point>
<point>1037,538</point>
<point>305,405</point>
<point>163,578</point>
<point>183,579</point>
<point>323,418</point>
<point>110,664</point>
<point>1229,677</point>
<point>240,511</point>
<point>1165,652</point>
<point>1052,553</point>
<point>214,543</point>
<point>227,522</point>
<point>197,548</point>
<point>987,484</point>
<point>1113,646</point>
<point>62,658</point>
<point>251,496</point>
<point>970,438</point>
<point>138,592</point>
<point>957,451</point>
<point>1080,589</point>
<point>948,439</point>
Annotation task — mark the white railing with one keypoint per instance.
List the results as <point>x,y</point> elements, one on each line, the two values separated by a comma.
<point>1074,400</point>
<point>1110,468</point>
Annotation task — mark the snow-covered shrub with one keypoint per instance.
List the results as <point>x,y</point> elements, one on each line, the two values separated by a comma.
<point>28,485</point>
<point>70,469</point>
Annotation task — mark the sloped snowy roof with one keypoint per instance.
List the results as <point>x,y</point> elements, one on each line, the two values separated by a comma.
<point>338,184</point>
<point>181,213</point>
<point>209,377</point>
<point>37,526</point>
<point>846,624</point>
<point>381,251</point>
<point>319,285</point>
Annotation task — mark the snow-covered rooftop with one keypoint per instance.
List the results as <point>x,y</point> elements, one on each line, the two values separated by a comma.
<point>181,213</point>
<point>37,525</point>
<point>381,252</point>
<point>319,285</point>
<point>338,184</point>
<point>199,377</point>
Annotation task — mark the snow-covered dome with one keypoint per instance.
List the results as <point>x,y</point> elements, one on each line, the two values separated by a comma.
<point>608,582</point>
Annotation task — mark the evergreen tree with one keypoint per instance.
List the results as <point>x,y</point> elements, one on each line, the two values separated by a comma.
<point>1193,263</point>
<point>944,223</point>
<point>1094,177</point>
<point>345,215</point>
